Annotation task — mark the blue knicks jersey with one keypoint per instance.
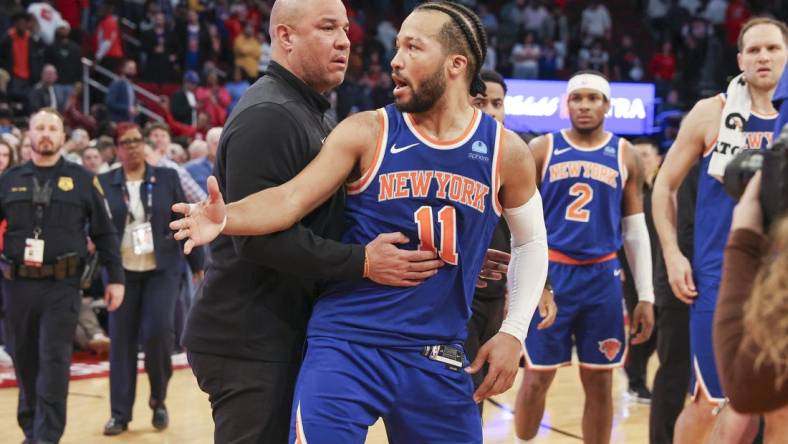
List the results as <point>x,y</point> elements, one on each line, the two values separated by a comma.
<point>583,190</point>
<point>443,197</point>
<point>714,210</point>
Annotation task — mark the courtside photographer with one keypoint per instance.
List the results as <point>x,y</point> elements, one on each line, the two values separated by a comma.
<point>751,323</point>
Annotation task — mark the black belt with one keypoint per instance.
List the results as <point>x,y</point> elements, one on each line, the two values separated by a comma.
<point>65,266</point>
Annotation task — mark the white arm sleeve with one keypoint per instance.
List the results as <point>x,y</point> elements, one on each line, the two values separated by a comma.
<point>638,248</point>
<point>528,266</point>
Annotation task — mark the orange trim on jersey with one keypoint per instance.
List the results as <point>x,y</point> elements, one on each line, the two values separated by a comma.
<point>356,186</point>
<point>497,170</point>
<point>549,155</point>
<point>437,142</point>
<point>561,258</point>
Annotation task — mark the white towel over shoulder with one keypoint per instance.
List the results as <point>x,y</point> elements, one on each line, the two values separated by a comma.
<point>732,121</point>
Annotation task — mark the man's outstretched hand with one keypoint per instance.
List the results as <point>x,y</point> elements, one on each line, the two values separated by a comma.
<point>203,221</point>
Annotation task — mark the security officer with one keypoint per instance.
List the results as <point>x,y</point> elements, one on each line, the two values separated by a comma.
<point>48,202</point>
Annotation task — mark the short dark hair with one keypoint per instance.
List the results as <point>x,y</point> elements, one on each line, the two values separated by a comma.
<point>463,34</point>
<point>645,141</point>
<point>156,125</point>
<point>488,75</point>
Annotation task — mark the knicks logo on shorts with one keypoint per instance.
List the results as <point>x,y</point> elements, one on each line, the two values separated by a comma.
<point>610,348</point>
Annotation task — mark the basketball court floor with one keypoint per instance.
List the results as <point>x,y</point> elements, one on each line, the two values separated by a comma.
<point>190,414</point>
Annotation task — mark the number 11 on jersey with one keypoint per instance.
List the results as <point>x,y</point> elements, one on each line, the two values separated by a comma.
<point>447,218</point>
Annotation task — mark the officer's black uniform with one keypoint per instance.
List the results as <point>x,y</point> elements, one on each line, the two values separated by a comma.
<point>42,303</point>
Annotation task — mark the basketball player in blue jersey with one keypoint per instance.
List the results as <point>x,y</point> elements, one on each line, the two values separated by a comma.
<point>762,56</point>
<point>441,172</point>
<point>592,186</point>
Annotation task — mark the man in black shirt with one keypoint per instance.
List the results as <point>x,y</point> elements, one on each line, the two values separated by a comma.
<point>673,338</point>
<point>246,331</point>
<point>48,202</point>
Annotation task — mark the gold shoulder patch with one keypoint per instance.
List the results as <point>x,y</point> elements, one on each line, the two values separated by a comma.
<point>65,183</point>
<point>97,185</point>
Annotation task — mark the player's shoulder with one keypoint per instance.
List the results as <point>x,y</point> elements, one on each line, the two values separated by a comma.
<point>709,108</point>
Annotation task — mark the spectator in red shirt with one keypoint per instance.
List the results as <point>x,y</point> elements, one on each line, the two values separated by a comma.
<point>16,48</point>
<point>663,64</point>
<point>109,50</point>
<point>737,13</point>
<point>213,99</point>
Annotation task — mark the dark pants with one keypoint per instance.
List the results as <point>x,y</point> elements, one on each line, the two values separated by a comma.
<point>486,320</point>
<point>638,355</point>
<point>41,316</point>
<point>145,317</point>
<point>672,379</point>
<point>251,400</point>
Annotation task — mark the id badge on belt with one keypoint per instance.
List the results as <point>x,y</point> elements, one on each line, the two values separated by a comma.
<point>34,252</point>
<point>142,239</point>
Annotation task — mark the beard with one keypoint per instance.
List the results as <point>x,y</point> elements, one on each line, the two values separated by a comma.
<point>45,147</point>
<point>424,98</point>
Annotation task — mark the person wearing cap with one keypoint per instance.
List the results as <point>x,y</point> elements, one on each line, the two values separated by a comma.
<point>183,104</point>
<point>591,183</point>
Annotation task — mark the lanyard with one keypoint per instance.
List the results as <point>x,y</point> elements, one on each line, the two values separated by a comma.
<point>147,209</point>
<point>41,198</point>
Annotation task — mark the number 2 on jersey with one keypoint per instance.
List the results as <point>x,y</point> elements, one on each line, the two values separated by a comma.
<point>447,218</point>
<point>575,211</point>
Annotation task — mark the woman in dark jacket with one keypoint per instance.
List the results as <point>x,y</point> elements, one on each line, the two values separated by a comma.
<point>140,197</point>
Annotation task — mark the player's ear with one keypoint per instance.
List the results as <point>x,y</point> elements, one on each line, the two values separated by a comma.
<point>457,65</point>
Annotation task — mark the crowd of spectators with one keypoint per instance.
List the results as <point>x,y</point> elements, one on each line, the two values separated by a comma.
<point>199,56</point>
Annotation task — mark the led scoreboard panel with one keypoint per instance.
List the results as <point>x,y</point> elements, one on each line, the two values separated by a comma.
<point>539,106</point>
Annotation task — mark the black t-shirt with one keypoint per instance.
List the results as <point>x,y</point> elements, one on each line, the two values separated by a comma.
<point>259,290</point>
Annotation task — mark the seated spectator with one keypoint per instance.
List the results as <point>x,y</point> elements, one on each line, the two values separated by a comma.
<point>120,98</point>
<point>750,327</point>
<point>626,61</point>
<point>213,98</point>
<point>488,19</point>
<point>663,67</point>
<point>184,102</point>
<point>7,155</point>
<point>194,43</point>
<point>66,56</point>
<point>109,49</point>
<point>44,94</point>
<point>48,19</point>
<point>525,58</point>
<point>159,136</point>
<point>247,51</point>
<point>160,47</point>
<point>595,58</point>
<point>534,15</point>
<point>236,87</point>
<point>548,60</point>
<point>92,160</point>
<point>203,157</point>
<point>16,55</point>
<point>595,22</point>
<point>177,154</point>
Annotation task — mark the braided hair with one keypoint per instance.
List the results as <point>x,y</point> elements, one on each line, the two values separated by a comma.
<point>464,34</point>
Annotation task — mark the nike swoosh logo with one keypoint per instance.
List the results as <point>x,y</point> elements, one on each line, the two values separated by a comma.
<point>561,151</point>
<point>395,150</point>
<point>617,272</point>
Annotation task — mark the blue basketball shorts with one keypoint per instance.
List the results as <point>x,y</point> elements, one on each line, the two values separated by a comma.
<point>344,387</point>
<point>704,378</point>
<point>590,317</point>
